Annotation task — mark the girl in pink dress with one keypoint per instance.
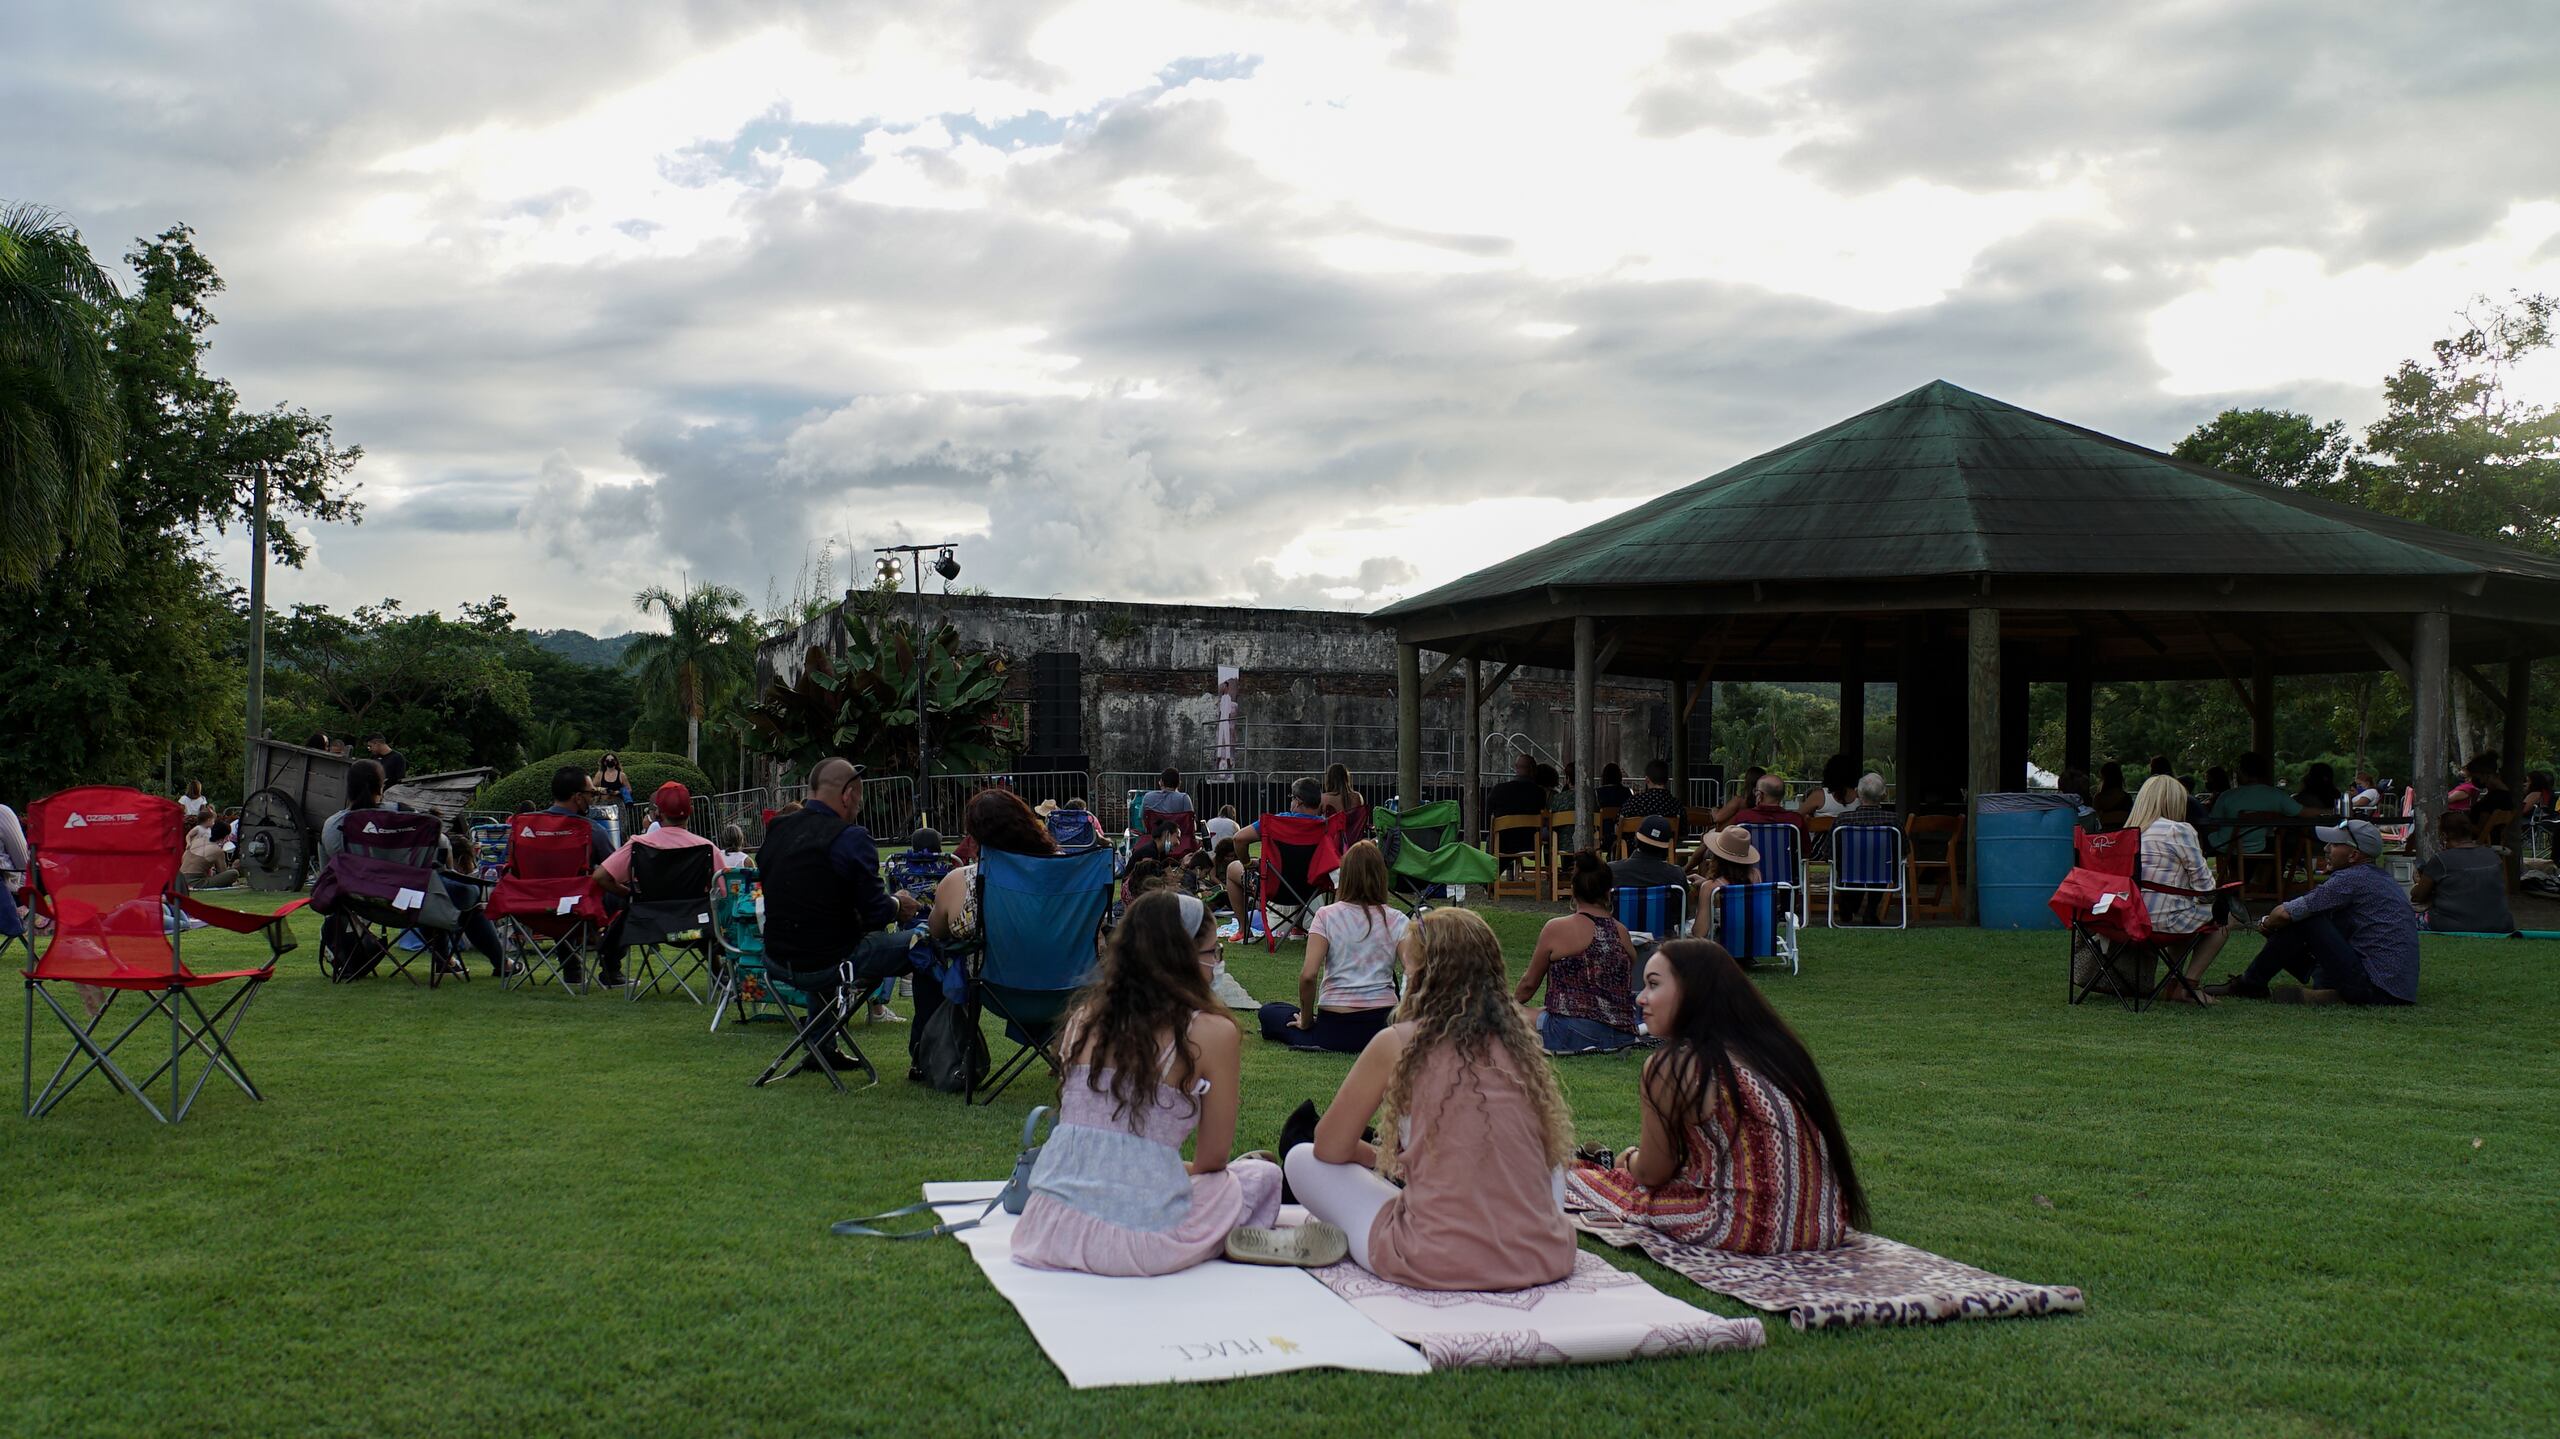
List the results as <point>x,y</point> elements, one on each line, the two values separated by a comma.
<point>1152,1059</point>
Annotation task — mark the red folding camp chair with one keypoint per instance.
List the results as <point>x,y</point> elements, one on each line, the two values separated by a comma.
<point>1298,861</point>
<point>546,902</point>
<point>106,872</point>
<point>2113,950</point>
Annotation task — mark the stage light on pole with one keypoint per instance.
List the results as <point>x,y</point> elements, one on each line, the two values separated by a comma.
<point>946,566</point>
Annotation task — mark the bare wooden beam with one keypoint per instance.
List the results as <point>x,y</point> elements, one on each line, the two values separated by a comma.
<point>1785,623</point>
<point>2248,701</point>
<point>2127,623</point>
<point>1706,676</point>
<point>1609,651</point>
<point>2497,698</point>
<point>2381,645</point>
<point>1501,677</point>
<point>1449,665</point>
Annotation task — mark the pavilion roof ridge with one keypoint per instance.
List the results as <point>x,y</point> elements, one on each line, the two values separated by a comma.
<point>1942,481</point>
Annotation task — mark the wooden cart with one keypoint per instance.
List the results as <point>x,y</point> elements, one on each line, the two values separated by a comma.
<point>293,789</point>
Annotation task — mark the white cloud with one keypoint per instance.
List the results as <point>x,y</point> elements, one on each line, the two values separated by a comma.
<point>1316,303</point>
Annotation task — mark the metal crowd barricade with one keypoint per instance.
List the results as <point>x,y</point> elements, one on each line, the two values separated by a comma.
<point>1705,793</point>
<point>950,794</point>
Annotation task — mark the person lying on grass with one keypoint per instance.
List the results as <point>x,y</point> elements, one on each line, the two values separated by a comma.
<point>1152,1059</point>
<point>1741,1148</point>
<point>1471,1121</point>
<point>1588,966</point>
<point>1347,987</point>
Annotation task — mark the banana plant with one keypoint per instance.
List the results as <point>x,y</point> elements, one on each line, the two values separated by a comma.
<point>862,704</point>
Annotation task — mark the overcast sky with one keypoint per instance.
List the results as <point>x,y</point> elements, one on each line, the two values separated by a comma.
<point>1295,304</point>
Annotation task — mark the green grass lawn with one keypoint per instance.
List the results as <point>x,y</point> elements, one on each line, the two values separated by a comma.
<point>475,1212</point>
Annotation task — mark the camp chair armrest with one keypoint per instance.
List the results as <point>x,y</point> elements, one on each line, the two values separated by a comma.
<point>235,920</point>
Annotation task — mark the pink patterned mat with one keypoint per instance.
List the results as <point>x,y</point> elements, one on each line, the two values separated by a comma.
<point>1597,1316</point>
<point>1869,1280</point>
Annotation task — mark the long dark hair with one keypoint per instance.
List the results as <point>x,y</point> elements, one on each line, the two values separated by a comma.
<point>998,819</point>
<point>1724,1020</point>
<point>1840,776</point>
<point>1146,991</point>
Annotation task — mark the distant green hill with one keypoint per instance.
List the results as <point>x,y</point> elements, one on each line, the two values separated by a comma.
<point>579,647</point>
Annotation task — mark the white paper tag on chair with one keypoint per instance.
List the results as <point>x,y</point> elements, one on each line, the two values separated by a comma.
<point>702,919</point>
<point>568,902</point>
<point>409,899</point>
<point>2105,902</point>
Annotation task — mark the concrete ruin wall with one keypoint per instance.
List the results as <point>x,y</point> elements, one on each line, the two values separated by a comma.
<point>1319,685</point>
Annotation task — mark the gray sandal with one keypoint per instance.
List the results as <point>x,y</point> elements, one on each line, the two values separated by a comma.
<point>1311,1245</point>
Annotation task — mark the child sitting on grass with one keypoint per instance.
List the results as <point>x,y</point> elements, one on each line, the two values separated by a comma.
<point>1742,1150</point>
<point>1152,1059</point>
<point>1474,1126</point>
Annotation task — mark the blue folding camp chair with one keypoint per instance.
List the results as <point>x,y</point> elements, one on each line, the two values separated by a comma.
<point>1074,829</point>
<point>1756,922</point>
<point>739,983</point>
<point>1781,849</point>
<point>1867,859</point>
<point>1040,923</point>
<point>13,927</point>
<point>1660,910</point>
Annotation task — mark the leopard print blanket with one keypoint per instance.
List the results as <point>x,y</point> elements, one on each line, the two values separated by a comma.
<point>1870,1280</point>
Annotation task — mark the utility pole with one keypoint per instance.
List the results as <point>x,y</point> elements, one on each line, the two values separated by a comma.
<point>949,568</point>
<point>257,637</point>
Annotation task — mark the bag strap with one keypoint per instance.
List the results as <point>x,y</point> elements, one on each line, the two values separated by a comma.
<point>867,1227</point>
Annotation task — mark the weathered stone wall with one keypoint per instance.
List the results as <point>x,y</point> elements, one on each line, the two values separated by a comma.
<point>1319,685</point>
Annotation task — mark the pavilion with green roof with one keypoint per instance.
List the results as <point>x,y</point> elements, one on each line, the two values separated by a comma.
<point>1963,548</point>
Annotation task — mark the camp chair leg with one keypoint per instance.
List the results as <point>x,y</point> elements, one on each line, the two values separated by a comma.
<point>800,1037</point>
<point>213,1040</point>
<point>82,1037</point>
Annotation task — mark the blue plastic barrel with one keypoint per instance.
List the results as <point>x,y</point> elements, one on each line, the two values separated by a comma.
<point>2023,854</point>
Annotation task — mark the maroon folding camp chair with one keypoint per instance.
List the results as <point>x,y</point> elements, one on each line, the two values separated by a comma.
<point>1298,862</point>
<point>106,872</point>
<point>2113,948</point>
<point>545,901</point>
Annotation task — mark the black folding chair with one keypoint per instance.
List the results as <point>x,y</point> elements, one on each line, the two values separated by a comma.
<point>814,1014</point>
<point>668,922</point>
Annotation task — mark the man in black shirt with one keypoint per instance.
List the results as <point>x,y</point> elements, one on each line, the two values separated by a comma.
<point>1656,796</point>
<point>1520,794</point>
<point>826,910</point>
<point>395,766</point>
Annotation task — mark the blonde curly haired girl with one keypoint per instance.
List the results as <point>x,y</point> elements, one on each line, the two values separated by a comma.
<point>1474,1126</point>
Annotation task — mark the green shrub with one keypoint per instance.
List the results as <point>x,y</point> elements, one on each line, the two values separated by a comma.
<point>643,769</point>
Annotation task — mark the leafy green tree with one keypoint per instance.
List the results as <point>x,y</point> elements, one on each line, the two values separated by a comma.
<point>444,690</point>
<point>2455,449</point>
<point>705,659</point>
<point>59,425</point>
<point>2282,447</point>
<point>131,646</point>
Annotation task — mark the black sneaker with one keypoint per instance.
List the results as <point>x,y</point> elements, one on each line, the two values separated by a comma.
<point>572,975</point>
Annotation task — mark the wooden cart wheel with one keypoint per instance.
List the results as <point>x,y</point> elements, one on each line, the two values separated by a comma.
<point>276,844</point>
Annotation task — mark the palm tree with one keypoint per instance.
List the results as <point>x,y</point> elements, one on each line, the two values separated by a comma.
<point>59,428</point>
<point>707,655</point>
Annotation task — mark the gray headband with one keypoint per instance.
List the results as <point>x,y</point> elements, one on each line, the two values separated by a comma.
<point>1194,913</point>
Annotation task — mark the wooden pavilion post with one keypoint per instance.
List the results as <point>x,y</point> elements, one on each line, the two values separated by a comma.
<point>2430,664</point>
<point>2262,709</point>
<point>1679,740</point>
<point>1408,726</point>
<point>1853,694</point>
<point>1471,753</point>
<point>2077,718</point>
<point>1982,746</point>
<point>2512,761</point>
<point>1586,686</point>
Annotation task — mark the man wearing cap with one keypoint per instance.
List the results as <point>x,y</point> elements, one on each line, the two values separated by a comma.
<point>826,911</point>
<point>673,830</point>
<point>1651,864</point>
<point>2354,940</point>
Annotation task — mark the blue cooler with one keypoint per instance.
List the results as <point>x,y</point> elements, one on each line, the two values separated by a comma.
<point>2022,843</point>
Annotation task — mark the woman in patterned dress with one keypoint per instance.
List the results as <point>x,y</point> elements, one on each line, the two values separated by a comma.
<point>1741,1149</point>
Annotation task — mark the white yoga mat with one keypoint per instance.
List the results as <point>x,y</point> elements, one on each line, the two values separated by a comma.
<point>1599,1315</point>
<point>1216,1321</point>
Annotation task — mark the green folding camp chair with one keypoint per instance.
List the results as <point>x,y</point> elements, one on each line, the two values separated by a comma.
<point>1423,850</point>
